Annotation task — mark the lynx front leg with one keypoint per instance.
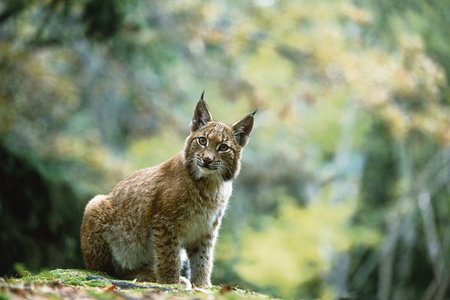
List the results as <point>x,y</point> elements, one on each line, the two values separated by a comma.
<point>167,254</point>
<point>201,260</point>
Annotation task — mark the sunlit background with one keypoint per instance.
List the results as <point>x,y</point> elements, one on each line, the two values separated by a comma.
<point>344,190</point>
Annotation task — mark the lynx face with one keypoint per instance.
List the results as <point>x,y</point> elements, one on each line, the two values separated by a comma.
<point>213,149</point>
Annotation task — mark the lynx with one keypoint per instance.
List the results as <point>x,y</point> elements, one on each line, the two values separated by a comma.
<point>139,230</point>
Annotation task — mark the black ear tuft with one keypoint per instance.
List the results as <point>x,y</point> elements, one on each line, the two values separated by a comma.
<point>242,129</point>
<point>202,95</point>
<point>202,115</point>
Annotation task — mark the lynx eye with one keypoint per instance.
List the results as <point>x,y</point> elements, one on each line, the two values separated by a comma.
<point>223,147</point>
<point>202,141</point>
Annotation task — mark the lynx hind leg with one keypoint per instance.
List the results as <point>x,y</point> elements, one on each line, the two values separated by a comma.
<point>95,250</point>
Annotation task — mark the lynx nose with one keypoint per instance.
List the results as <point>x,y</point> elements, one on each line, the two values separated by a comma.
<point>207,160</point>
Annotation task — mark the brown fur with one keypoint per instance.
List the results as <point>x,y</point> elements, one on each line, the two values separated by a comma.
<point>140,228</point>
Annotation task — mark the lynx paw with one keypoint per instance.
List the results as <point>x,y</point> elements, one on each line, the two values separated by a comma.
<point>186,282</point>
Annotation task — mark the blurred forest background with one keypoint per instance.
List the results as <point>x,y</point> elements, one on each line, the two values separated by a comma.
<point>344,189</point>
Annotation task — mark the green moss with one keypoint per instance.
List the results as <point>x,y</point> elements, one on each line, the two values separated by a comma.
<point>4,296</point>
<point>63,276</point>
<point>97,288</point>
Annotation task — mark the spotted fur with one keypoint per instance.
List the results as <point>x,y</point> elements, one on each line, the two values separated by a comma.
<point>139,230</point>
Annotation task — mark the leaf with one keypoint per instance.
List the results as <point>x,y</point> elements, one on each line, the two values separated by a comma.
<point>111,288</point>
<point>227,288</point>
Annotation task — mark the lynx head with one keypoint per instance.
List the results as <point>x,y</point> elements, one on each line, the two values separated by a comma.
<point>213,149</point>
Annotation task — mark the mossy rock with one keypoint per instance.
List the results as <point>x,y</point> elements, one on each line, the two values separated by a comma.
<point>69,283</point>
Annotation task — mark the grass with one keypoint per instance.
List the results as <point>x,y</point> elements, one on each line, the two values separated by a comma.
<point>70,283</point>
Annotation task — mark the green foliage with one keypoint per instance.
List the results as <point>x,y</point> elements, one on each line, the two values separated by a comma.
<point>103,19</point>
<point>37,230</point>
<point>295,247</point>
<point>154,150</point>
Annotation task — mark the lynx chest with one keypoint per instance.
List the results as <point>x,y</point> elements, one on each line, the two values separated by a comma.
<point>205,216</point>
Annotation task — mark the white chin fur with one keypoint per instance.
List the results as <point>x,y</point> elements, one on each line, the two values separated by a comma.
<point>205,172</point>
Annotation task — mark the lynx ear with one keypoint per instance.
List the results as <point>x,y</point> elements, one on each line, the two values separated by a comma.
<point>202,115</point>
<point>242,129</point>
